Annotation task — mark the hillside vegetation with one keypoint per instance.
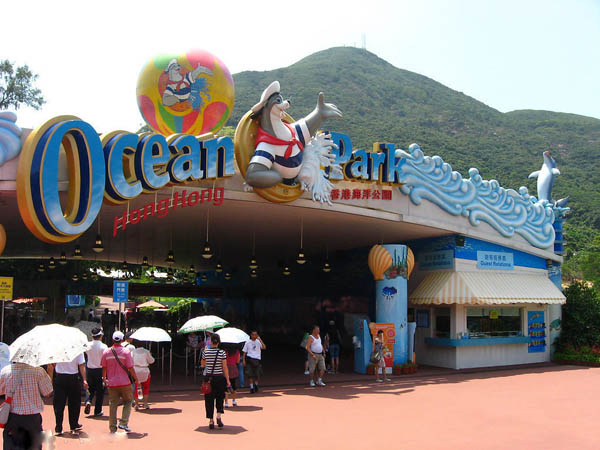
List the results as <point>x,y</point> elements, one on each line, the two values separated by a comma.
<point>381,102</point>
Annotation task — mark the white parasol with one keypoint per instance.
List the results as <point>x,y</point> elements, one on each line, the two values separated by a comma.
<point>232,335</point>
<point>202,323</point>
<point>151,334</point>
<point>48,344</point>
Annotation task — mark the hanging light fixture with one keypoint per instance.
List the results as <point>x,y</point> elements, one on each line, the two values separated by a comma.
<point>227,276</point>
<point>301,257</point>
<point>253,273</point>
<point>186,280</point>
<point>192,270</point>
<point>207,251</point>
<point>63,258</point>
<point>77,252</point>
<point>84,276</point>
<point>219,267</point>
<point>145,264</point>
<point>41,268</point>
<point>51,263</point>
<point>286,270</point>
<point>98,246</point>
<point>75,277</point>
<point>170,275</point>
<point>253,263</point>
<point>326,266</point>
<point>204,278</point>
<point>170,258</point>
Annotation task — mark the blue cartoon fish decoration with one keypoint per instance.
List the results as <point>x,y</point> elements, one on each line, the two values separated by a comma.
<point>389,292</point>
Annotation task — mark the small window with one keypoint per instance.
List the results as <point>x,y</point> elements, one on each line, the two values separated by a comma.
<point>494,322</point>
<point>442,322</point>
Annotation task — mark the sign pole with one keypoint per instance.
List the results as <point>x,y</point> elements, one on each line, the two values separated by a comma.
<point>2,332</point>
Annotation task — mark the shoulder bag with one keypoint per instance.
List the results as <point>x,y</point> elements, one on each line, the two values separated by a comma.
<point>206,387</point>
<point>131,379</point>
<point>5,406</point>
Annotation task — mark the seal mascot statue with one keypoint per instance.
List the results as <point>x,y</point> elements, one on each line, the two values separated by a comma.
<point>281,147</point>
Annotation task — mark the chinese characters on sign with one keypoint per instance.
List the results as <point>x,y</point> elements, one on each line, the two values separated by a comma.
<point>495,260</point>
<point>361,194</point>
<point>6,288</point>
<point>120,291</point>
<point>443,259</point>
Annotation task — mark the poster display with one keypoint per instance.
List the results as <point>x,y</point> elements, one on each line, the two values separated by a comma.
<point>389,339</point>
<point>6,288</point>
<point>537,331</point>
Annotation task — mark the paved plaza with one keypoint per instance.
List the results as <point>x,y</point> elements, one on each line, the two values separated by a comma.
<point>550,407</point>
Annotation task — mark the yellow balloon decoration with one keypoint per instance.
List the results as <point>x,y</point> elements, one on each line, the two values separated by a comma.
<point>244,139</point>
<point>2,238</point>
<point>410,262</point>
<point>380,260</point>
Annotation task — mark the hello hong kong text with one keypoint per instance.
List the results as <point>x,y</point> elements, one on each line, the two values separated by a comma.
<point>161,208</point>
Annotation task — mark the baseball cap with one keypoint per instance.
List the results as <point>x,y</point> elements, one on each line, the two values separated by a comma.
<point>117,336</point>
<point>97,332</point>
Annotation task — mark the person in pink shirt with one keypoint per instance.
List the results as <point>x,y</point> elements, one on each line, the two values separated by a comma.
<point>118,374</point>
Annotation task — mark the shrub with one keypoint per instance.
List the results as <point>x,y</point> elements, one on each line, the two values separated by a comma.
<point>580,325</point>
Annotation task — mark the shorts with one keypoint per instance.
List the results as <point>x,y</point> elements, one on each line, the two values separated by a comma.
<point>253,368</point>
<point>318,362</point>
<point>233,382</point>
<point>381,363</point>
<point>334,350</point>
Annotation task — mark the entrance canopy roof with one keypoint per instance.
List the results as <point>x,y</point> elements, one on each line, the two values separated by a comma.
<point>477,288</point>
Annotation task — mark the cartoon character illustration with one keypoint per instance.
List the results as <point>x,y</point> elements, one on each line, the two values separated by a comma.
<point>389,292</point>
<point>280,146</point>
<point>546,177</point>
<point>555,325</point>
<point>181,88</point>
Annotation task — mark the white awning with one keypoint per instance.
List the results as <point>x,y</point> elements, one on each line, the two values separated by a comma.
<point>480,288</point>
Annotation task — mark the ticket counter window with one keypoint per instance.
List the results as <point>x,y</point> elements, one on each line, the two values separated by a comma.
<point>494,322</point>
<point>442,322</point>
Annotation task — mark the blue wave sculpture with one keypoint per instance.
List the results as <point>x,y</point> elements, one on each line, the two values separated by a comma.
<point>507,211</point>
<point>10,136</point>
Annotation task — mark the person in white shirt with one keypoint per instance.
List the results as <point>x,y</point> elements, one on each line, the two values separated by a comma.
<point>67,389</point>
<point>94,374</point>
<point>142,358</point>
<point>252,357</point>
<point>316,358</point>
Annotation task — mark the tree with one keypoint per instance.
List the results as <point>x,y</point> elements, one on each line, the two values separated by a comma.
<point>16,87</point>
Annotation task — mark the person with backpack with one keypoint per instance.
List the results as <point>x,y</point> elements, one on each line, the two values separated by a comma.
<point>119,375</point>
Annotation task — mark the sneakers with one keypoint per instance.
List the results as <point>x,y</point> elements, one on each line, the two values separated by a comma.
<point>388,379</point>
<point>252,389</point>
<point>226,405</point>
<point>77,427</point>
<point>320,383</point>
<point>88,408</point>
<point>219,422</point>
<point>125,428</point>
<point>379,381</point>
<point>98,414</point>
<point>146,406</point>
<point>306,372</point>
<point>234,403</point>
<point>312,383</point>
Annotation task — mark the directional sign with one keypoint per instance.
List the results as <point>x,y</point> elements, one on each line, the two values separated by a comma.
<point>120,291</point>
<point>6,288</point>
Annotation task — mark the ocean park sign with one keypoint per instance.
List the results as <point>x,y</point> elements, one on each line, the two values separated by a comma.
<point>186,99</point>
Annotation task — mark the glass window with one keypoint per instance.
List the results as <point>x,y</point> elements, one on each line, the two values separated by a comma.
<point>498,322</point>
<point>442,322</point>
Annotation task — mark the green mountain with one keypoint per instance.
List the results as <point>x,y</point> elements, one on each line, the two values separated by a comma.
<point>381,102</point>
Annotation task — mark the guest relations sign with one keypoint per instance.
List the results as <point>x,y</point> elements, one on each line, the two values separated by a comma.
<point>495,260</point>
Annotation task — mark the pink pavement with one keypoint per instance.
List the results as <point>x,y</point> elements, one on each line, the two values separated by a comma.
<point>552,407</point>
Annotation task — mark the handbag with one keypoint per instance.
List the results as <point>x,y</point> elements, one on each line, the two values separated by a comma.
<point>6,404</point>
<point>206,387</point>
<point>131,379</point>
<point>375,357</point>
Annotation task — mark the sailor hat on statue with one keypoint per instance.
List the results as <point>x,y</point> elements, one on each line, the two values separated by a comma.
<point>272,89</point>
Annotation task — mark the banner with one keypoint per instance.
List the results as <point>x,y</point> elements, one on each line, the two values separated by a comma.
<point>389,339</point>
<point>75,301</point>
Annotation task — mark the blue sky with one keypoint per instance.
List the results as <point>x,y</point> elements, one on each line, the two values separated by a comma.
<point>509,54</point>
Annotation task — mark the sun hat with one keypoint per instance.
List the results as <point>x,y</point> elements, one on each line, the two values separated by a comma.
<point>273,88</point>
